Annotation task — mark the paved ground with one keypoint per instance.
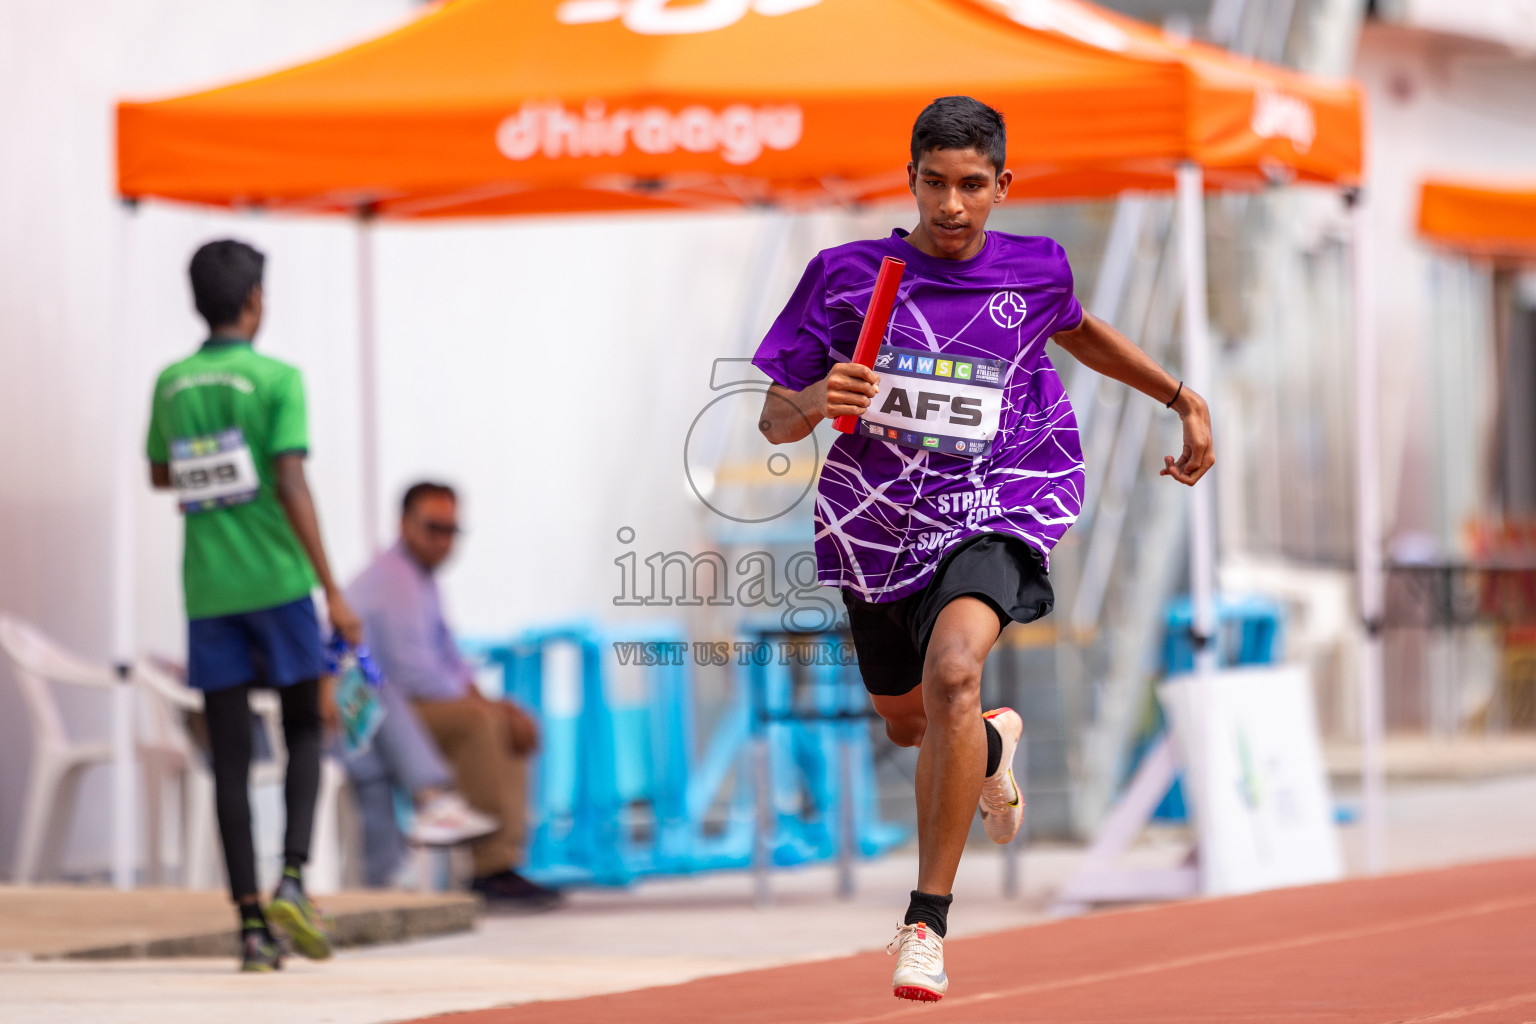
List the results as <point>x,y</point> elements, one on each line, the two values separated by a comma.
<point>1414,759</point>
<point>1436,824</point>
<point>662,933</point>
<point>674,931</point>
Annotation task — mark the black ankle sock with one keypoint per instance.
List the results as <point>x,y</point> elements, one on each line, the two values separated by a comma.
<point>930,909</point>
<point>251,917</point>
<point>293,870</point>
<point>994,747</point>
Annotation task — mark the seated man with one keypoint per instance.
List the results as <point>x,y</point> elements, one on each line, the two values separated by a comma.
<point>486,741</point>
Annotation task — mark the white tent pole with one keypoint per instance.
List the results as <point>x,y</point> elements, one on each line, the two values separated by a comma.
<point>1199,378</point>
<point>1202,548</point>
<point>1368,539</point>
<point>1108,295</point>
<point>367,373</point>
<point>125,460</point>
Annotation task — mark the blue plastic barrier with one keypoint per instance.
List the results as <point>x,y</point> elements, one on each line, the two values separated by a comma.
<point>611,782</point>
<point>553,782</point>
<point>807,740</point>
<point>617,793</point>
<point>1248,632</point>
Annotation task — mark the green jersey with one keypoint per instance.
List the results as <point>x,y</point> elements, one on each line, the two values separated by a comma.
<point>218,419</point>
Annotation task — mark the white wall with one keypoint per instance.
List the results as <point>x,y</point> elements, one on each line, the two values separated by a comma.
<point>1439,106</point>
<point>553,368</point>
<point>1506,21</point>
<point>61,67</point>
<point>550,367</point>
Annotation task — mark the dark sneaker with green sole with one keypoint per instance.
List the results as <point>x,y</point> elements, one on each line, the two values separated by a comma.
<point>259,953</point>
<point>299,919</point>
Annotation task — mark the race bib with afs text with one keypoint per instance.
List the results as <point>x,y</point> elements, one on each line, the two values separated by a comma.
<point>212,472</point>
<point>935,402</point>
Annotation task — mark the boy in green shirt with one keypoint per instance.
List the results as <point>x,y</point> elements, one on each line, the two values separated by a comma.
<point>228,432</point>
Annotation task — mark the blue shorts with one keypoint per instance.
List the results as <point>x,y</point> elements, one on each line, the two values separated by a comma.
<point>271,647</point>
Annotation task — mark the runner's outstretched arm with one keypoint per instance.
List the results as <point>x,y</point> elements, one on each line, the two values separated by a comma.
<point>299,506</point>
<point>790,415</point>
<point>1105,350</point>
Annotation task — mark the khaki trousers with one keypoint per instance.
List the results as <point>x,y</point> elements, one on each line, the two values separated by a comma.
<point>474,738</point>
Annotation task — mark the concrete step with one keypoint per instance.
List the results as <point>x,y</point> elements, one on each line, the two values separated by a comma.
<point>74,923</point>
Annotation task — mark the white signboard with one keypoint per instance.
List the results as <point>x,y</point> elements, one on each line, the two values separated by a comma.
<point>1256,784</point>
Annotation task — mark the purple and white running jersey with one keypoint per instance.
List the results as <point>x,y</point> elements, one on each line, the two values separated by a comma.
<point>972,431</point>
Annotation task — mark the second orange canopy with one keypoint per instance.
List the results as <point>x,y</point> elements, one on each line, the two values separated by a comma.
<point>1492,221</point>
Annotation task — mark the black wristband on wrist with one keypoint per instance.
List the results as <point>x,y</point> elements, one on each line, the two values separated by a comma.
<point>1175,397</point>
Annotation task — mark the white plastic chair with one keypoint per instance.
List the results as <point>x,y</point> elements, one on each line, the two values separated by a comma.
<point>165,753</point>
<point>202,868</point>
<point>57,760</point>
<point>164,702</point>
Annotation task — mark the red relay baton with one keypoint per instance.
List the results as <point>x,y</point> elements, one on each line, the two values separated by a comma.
<point>875,320</point>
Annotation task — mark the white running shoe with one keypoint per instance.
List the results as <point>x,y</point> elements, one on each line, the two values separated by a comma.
<point>1002,805</point>
<point>919,964</point>
<point>447,820</point>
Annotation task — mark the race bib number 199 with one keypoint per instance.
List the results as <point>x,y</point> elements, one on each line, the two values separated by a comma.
<point>213,472</point>
<point>936,402</point>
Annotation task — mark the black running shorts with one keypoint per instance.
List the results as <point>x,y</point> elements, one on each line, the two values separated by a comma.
<point>891,637</point>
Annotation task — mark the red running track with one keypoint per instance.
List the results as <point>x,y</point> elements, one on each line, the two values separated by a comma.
<point>1452,945</point>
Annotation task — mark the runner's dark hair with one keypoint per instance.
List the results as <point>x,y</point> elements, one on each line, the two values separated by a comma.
<point>959,122</point>
<point>424,489</point>
<point>224,273</point>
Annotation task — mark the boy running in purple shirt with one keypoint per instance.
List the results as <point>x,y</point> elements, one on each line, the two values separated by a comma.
<point>937,515</point>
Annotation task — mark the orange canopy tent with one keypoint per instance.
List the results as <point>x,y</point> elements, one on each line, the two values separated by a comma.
<point>1487,221</point>
<point>484,107</point>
